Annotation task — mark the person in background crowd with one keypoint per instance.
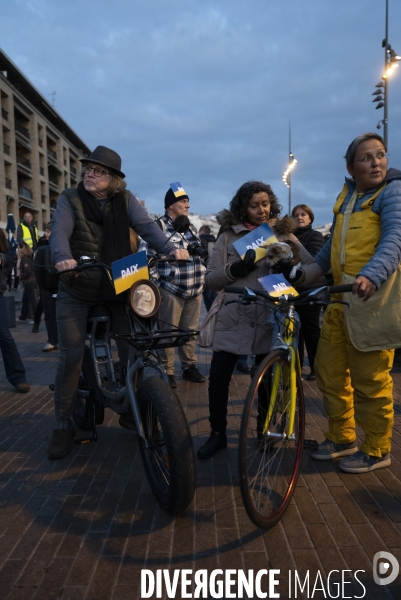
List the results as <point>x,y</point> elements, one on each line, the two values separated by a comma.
<point>94,219</point>
<point>15,371</point>
<point>27,275</point>
<point>180,286</point>
<point>364,248</point>
<point>48,302</point>
<point>27,232</point>
<point>309,316</point>
<point>240,329</point>
<point>207,240</point>
<point>12,251</point>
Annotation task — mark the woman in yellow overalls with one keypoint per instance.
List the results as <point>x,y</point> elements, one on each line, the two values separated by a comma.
<point>356,348</point>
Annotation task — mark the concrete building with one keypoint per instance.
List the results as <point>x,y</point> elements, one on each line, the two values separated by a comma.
<point>39,152</point>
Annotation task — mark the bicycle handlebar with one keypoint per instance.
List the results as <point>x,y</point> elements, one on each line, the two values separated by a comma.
<point>312,294</point>
<point>89,265</point>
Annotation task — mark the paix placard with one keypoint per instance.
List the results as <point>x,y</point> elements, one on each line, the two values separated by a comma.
<point>257,240</point>
<point>129,269</point>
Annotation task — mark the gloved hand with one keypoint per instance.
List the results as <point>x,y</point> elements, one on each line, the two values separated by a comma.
<point>242,268</point>
<point>287,263</point>
<point>288,271</point>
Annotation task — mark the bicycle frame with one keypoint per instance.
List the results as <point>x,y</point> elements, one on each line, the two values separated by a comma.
<point>286,338</point>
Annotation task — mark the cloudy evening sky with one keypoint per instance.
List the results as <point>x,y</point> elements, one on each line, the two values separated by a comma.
<point>202,91</point>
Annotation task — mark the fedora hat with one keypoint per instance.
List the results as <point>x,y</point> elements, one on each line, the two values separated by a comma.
<point>106,157</point>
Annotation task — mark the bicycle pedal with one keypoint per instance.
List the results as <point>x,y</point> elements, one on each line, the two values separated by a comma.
<point>87,440</point>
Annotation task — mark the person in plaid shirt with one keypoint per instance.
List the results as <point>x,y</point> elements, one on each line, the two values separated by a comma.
<point>181,286</point>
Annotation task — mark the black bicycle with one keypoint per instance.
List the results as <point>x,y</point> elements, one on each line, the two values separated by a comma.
<point>141,393</point>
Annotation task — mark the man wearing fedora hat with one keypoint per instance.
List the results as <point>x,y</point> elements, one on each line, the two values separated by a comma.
<point>93,219</point>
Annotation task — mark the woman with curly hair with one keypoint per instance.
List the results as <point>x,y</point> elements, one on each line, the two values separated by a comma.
<point>241,329</point>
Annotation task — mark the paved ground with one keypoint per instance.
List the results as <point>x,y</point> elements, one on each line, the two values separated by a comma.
<point>84,527</point>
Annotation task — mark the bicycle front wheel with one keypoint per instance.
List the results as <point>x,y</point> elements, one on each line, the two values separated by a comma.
<point>269,454</point>
<point>169,458</point>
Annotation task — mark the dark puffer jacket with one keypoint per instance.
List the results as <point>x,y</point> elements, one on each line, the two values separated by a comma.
<point>312,240</point>
<point>244,329</point>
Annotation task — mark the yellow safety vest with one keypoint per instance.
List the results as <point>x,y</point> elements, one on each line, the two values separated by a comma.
<point>26,235</point>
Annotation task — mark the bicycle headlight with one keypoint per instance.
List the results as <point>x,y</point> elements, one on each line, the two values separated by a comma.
<point>145,298</point>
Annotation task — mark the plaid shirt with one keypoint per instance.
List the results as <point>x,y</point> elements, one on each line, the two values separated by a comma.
<point>181,279</point>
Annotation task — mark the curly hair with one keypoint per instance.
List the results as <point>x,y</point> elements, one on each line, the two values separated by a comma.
<point>240,202</point>
<point>24,249</point>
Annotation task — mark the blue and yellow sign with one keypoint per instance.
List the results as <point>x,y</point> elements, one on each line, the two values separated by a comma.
<point>257,240</point>
<point>178,190</point>
<point>277,285</point>
<point>129,269</point>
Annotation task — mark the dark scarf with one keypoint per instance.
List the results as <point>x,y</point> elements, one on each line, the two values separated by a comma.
<point>115,241</point>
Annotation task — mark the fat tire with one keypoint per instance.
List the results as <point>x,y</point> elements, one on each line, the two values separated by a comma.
<point>83,407</point>
<point>272,463</point>
<point>169,461</point>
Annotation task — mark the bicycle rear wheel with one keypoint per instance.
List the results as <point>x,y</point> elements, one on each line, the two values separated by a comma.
<point>269,461</point>
<point>169,458</point>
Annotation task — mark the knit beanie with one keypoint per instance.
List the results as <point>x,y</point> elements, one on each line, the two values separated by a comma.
<point>174,193</point>
<point>49,226</point>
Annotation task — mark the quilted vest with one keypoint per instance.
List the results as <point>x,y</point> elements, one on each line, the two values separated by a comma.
<point>86,240</point>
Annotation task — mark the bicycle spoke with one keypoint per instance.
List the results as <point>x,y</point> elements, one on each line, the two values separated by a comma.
<point>269,462</point>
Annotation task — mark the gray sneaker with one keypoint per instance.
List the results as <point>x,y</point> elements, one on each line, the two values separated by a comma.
<point>328,450</point>
<point>363,463</point>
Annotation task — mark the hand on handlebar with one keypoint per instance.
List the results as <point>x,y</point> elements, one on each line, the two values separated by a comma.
<point>65,265</point>
<point>363,287</point>
<point>181,254</point>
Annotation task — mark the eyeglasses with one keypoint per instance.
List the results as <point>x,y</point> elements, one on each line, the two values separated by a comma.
<point>97,171</point>
<point>369,157</point>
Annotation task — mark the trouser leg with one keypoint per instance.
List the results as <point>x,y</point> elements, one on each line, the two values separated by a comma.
<point>24,305</point>
<point>221,370</point>
<point>39,310</point>
<point>310,328</point>
<point>71,322</point>
<point>356,386</point>
<point>373,398</point>
<point>189,320</point>
<point>169,316</point>
<point>15,371</point>
<point>120,324</point>
<point>31,296</point>
<point>49,308</point>
<point>333,376</point>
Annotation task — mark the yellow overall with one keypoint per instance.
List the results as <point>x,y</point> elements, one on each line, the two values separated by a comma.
<point>356,386</point>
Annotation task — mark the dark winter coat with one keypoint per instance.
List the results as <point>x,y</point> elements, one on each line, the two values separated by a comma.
<point>312,240</point>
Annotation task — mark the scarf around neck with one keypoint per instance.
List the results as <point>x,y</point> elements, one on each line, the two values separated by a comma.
<point>115,223</point>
